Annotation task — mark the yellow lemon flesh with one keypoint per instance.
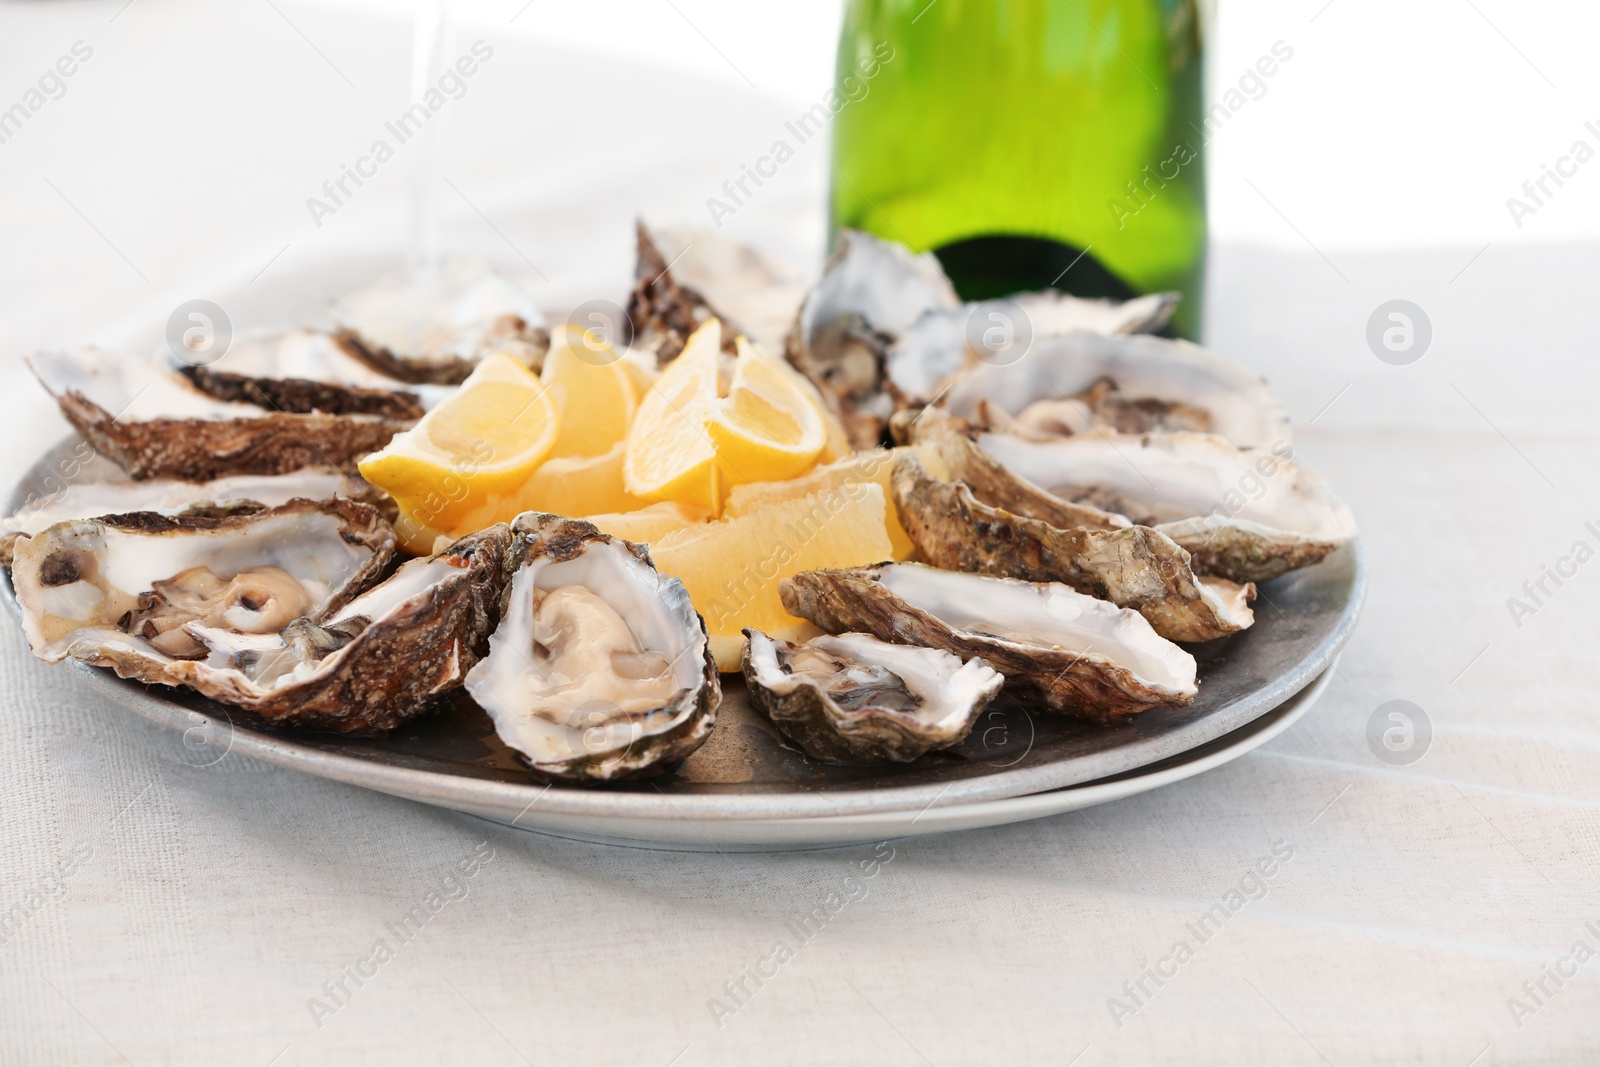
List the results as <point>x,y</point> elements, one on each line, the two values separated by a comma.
<point>771,425</point>
<point>591,389</point>
<point>669,456</point>
<point>845,476</point>
<point>732,568</point>
<point>479,444</point>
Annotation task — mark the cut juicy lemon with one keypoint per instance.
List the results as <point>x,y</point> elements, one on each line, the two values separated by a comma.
<point>875,467</point>
<point>569,485</point>
<point>481,442</point>
<point>593,392</point>
<point>669,455</point>
<point>732,568</point>
<point>649,525</point>
<point>771,425</point>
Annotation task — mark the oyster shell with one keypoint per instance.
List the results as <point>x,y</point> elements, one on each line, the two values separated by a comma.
<point>600,668</point>
<point>1084,381</point>
<point>662,310</point>
<point>752,292</point>
<point>870,293</point>
<point>303,371</point>
<point>264,610</point>
<point>1076,654</point>
<point>856,699</point>
<point>154,423</point>
<point>1134,567</point>
<point>87,500</point>
<point>435,324</point>
<point>937,349</point>
<point>1245,514</point>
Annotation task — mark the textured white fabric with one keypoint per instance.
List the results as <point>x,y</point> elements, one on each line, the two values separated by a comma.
<point>180,913</point>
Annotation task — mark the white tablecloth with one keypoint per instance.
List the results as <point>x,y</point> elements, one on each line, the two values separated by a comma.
<point>157,910</point>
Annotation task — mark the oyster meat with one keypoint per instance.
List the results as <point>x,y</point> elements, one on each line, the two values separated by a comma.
<point>87,500</point>
<point>155,424</point>
<point>434,324</point>
<point>600,668</point>
<point>1075,654</point>
<point>1245,514</point>
<point>1133,567</point>
<point>1083,382</point>
<point>852,698</point>
<point>303,371</point>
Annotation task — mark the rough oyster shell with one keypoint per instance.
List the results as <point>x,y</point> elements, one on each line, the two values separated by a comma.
<point>948,449</point>
<point>1134,567</point>
<point>1234,402</point>
<point>662,310</point>
<point>303,371</point>
<point>651,700</point>
<point>870,293</point>
<point>843,699</point>
<point>1248,515</point>
<point>937,349</point>
<point>752,292</point>
<point>1074,653</point>
<point>87,500</point>
<point>435,324</point>
<point>154,423</point>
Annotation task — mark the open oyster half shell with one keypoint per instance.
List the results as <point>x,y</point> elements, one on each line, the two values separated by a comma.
<point>434,324</point>
<point>154,423</point>
<point>1245,514</point>
<point>245,492</point>
<point>852,698</point>
<point>303,371</point>
<point>1133,567</point>
<point>1075,654</point>
<point>1151,379</point>
<point>600,669</point>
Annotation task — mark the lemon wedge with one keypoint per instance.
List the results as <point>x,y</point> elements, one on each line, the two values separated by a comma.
<point>771,426</point>
<point>732,568</point>
<point>845,476</point>
<point>669,455</point>
<point>591,389</point>
<point>480,443</point>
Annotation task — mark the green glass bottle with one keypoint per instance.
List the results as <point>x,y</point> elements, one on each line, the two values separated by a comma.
<point>1029,143</point>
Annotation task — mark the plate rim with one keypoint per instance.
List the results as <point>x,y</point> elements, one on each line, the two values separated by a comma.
<point>448,790</point>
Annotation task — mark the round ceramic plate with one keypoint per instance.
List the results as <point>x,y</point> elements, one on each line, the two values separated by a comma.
<point>745,788</point>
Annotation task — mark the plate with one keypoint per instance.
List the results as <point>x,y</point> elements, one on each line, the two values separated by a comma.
<point>746,789</point>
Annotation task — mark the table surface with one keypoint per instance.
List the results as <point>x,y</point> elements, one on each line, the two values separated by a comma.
<point>161,908</point>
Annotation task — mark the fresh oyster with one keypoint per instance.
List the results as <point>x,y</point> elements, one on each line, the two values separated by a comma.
<point>1084,381</point>
<point>1134,567</point>
<point>87,500</point>
<point>1244,514</point>
<point>1076,654</point>
<point>155,424</point>
<point>870,293</point>
<point>856,699</point>
<point>304,370</point>
<point>946,446</point>
<point>600,668</point>
<point>883,329</point>
<point>940,346</point>
<point>662,310</point>
<point>751,291</point>
<point>434,324</point>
